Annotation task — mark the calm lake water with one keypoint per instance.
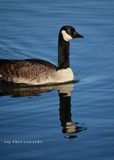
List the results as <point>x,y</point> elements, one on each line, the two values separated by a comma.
<point>67,122</point>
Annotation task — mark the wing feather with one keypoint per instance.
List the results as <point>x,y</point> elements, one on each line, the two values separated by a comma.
<point>26,70</point>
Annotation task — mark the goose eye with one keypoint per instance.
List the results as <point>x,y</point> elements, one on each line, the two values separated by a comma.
<point>73,33</point>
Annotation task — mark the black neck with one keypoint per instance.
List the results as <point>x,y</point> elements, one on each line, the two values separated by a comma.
<point>63,53</point>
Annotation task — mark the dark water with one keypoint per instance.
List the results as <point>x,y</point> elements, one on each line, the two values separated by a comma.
<point>49,122</point>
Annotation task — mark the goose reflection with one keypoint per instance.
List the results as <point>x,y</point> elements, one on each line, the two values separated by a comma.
<point>69,128</point>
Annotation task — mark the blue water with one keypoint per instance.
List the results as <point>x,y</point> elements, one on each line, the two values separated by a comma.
<point>74,121</point>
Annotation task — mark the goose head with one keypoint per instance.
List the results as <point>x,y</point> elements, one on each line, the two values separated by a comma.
<point>68,33</point>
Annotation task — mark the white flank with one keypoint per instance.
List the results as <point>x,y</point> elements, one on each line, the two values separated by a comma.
<point>66,36</point>
<point>64,75</point>
<point>60,76</point>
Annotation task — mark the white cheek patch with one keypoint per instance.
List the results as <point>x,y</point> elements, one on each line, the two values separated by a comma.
<point>66,36</point>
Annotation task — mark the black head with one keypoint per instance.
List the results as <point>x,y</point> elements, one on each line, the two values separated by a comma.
<point>69,32</point>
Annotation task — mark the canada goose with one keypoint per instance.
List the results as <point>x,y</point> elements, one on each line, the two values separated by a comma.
<point>40,72</point>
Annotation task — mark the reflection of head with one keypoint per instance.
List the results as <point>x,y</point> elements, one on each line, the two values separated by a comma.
<point>65,114</point>
<point>68,126</point>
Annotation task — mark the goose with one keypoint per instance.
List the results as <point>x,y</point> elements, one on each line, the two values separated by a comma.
<point>42,72</point>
